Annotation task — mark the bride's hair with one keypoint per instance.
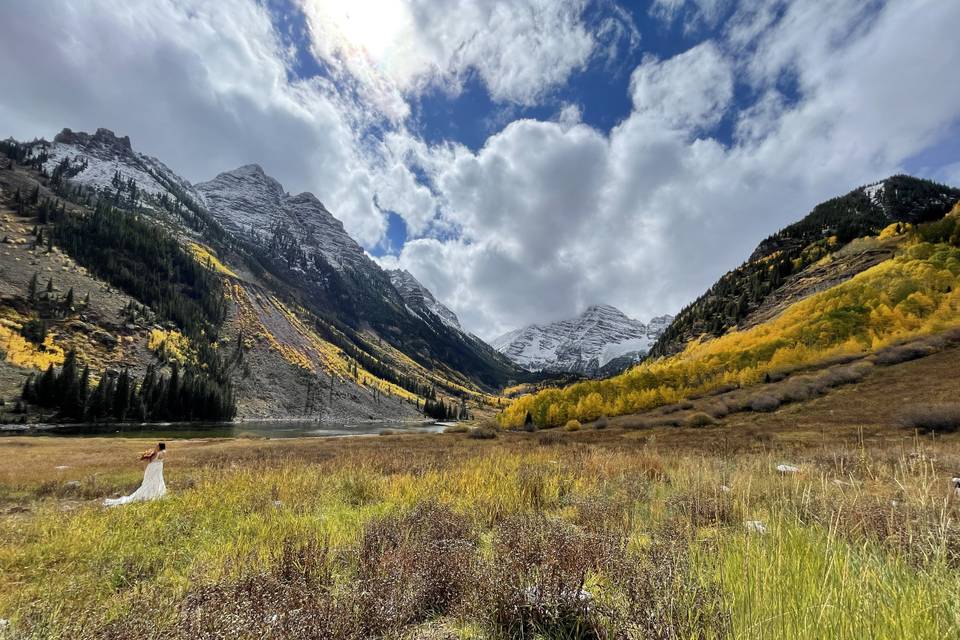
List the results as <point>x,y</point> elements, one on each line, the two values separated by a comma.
<point>161,446</point>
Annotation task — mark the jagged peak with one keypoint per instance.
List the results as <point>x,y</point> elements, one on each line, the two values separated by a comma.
<point>104,137</point>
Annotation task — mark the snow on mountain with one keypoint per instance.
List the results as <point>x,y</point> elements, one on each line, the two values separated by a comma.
<point>102,155</point>
<point>580,345</point>
<point>419,299</point>
<point>875,192</point>
<point>248,202</point>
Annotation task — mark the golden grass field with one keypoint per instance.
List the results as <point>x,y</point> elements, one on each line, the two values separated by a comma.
<point>631,531</point>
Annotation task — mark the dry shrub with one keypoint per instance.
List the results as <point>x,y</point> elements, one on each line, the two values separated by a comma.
<point>799,389</point>
<point>549,438</point>
<point>457,428</point>
<point>703,506</point>
<point>764,402</point>
<point>633,423</point>
<point>482,433</point>
<point>839,376</point>
<point>535,586</point>
<point>412,565</point>
<point>902,353</point>
<point>939,418</point>
<point>662,599</point>
<point>291,599</point>
<point>716,408</point>
<point>700,419</point>
<point>573,425</point>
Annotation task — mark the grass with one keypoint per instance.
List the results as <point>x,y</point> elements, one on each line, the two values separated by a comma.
<point>619,532</point>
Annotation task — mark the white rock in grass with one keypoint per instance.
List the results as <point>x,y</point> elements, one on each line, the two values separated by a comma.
<point>786,469</point>
<point>755,526</point>
<point>725,489</point>
<point>61,467</point>
<point>956,486</point>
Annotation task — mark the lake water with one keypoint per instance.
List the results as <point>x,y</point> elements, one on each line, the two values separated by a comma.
<point>272,429</point>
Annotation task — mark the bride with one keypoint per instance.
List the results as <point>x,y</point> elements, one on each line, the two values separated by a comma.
<point>153,485</point>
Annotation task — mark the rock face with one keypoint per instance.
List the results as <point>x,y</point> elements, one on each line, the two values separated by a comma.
<point>97,161</point>
<point>583,345</point>
<point>419,299</point>
<point>248,202</point>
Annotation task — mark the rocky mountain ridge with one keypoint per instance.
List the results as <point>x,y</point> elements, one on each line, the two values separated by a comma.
<point>583,345</point>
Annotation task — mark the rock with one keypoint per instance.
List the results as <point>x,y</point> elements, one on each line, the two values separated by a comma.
<point>106,339</point>
<point>61,467</point>
<point>787,469</point>
<point>755,526</point>
<point>72,484</point>
<point>725,489</point>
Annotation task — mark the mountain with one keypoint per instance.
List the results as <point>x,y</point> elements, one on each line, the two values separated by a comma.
<point>584,345</point>
<point>801,257</point>
<point>419,299</point>
<point>260,294</point>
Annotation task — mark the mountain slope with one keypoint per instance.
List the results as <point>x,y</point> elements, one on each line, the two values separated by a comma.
<point>582,345</point>
<point>783,256</point>
<point>308,324</point>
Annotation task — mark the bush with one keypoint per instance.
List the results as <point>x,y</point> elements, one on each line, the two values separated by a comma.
<point>700,419</point>
<point>457,428</point>
<point>573,425</point>
<point>764,402</point>
<point>902,353</point>
<point>548,438</point>
<point>482,433</point>
<point>940,418</point>
<point>601,423</point>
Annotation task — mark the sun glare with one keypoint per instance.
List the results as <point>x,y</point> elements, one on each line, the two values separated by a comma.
<point>371,27</point>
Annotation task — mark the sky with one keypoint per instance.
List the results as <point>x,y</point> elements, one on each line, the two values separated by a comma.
<point>522,159</point>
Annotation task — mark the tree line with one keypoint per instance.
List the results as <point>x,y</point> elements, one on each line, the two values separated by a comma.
<point>117,396</point>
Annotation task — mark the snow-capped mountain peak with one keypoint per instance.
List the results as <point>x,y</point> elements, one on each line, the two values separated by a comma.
<point>249,202</point>
<point>583,344</point>
<point>418,298</point>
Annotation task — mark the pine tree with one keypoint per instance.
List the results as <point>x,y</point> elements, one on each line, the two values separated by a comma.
<point>32,288</point>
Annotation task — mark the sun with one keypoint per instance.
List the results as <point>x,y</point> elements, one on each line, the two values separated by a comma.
<point>371,28</point>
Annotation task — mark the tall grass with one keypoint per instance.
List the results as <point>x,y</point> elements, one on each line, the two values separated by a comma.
<point>558,542</point>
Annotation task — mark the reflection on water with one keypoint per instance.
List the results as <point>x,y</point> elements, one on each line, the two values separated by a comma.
<point>273,429</point>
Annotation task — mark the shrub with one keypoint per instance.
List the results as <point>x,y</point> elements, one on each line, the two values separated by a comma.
<point>942,418</point>
<point>601,423</point>
<point>550,438</point>
<point>764,402</point>
<point>716,409</point>
<point>482,433</point>
<point>901,353</point>
<point>573,425</point>
<point>700,419</point>
<point>457,428</point>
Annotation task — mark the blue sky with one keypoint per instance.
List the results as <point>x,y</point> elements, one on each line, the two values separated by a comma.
<point>522,158</point>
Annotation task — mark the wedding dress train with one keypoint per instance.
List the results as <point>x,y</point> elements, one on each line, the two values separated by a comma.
<point>152,487</point>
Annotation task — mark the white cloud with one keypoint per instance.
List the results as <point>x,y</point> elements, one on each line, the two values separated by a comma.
<point>393,48</point>
<point>690,90</point>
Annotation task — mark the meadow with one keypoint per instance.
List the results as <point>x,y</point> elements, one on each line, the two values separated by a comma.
<point>628,531</point>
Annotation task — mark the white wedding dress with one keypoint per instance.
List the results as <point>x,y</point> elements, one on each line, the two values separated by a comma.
<point>153,485</point>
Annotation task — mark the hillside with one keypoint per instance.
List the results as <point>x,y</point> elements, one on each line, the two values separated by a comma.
<point>780,260</point>
<point>156,280</point>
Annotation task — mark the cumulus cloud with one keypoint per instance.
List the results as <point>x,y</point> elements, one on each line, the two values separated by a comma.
<point>394,48</point>
<point>690,90</point>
